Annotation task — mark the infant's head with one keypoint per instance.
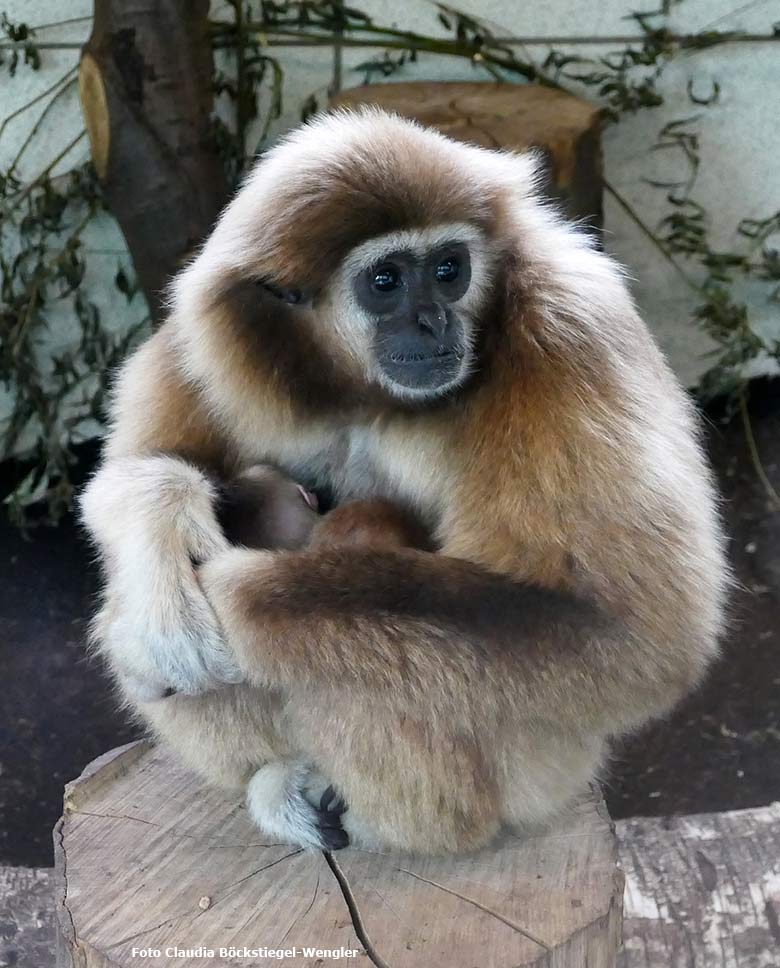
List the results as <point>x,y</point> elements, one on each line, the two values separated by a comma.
<point>263,508</point>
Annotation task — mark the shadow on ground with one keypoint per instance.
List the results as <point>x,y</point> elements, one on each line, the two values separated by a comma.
<point>56,710</point>
<point>720,750</point>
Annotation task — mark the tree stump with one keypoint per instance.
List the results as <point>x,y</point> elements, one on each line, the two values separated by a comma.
<point>154,868</point>
<point>517,116</point>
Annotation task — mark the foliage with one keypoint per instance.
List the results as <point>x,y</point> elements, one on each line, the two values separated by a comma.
<point>56,393</point>
<point>57,397</point>
<point>23,44</point>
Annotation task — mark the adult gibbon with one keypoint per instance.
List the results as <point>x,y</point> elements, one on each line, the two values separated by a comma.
<point>382,312</point>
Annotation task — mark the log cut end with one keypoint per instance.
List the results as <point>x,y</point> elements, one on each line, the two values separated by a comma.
<point>564,128</point>
<point>148,858</point>
<point>94,106</point>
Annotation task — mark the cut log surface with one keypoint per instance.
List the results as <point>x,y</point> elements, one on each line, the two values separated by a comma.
<point>516,116</point>
<point>147,857</point>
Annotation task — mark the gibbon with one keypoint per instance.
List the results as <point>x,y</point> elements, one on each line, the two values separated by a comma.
<point>384,313</point>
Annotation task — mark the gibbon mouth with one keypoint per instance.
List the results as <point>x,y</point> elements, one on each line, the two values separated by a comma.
<point>440,356</point>
<point>423,371</point>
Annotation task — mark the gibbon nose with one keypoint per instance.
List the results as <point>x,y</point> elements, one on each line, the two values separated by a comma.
<point>432,318</point>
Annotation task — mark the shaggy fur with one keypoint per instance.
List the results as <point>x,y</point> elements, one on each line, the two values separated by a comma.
<point>579,585</point>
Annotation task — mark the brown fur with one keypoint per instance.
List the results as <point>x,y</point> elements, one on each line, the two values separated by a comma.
<point>579,583</point>
<point>374,524</point>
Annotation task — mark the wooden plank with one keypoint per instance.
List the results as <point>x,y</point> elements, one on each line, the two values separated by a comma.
<point>151,858</point>
<point>564,128</point>
<point>702,891</point>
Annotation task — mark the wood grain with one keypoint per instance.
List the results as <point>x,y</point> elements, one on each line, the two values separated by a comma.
<point>149,857</point>
<point>702,891</point>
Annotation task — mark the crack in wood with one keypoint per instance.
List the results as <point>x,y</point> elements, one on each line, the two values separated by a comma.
<point>299,917</point>
<point>482,907</point>
<point>113,816</point>
<point>236,884</point>
<point>211,844</point>
<point>61,855</point>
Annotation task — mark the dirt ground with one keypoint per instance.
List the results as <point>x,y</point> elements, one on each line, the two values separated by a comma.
<point>720,750</point>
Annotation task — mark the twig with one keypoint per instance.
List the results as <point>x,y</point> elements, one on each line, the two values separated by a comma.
<point>37,126</point>
<point>412,39</point>
<point>46,45</point>
<point>338,51</point>
<point>648,232</point>
<point>755,457</point>
<point>61,23</point>
<point>354,913</point>
<point>35,100</point>
<point>241,88</point>
<point>290,41</point>
<point>453,48</point>
<point>24,192</point>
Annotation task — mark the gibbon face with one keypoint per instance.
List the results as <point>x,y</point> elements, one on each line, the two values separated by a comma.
<point>363,256</point>
<point>405,307</point>
<point>408,305</point>
<point>419,341</point>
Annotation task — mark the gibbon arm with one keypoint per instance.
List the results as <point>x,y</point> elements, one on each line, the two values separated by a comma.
<point>424,631</point>
<point>150,510</point>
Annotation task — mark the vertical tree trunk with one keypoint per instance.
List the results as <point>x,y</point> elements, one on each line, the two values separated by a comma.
<point>145,82</point>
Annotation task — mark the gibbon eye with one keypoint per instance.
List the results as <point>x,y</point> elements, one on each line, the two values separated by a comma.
<point>447,270</point>
<point>386,278</point>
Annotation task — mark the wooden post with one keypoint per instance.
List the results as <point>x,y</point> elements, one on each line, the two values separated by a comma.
<point>148,859</point>
<point>518,116</point>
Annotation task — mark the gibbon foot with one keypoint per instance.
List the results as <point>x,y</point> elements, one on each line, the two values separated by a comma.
<point>331,809</point>
<point>277,798</point>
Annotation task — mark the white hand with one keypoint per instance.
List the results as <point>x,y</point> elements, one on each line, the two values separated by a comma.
<point>153,518</point>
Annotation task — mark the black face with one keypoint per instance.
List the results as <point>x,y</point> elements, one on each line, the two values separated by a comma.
<point>420,339</point>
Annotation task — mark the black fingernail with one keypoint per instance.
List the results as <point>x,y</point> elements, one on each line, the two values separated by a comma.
<point>331,802</point>
<point>327,796</point>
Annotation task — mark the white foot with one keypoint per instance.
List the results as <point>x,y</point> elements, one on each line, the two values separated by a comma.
<point>279,801</point>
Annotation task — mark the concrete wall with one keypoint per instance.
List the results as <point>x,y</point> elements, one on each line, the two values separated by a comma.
<point>740,136</point>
